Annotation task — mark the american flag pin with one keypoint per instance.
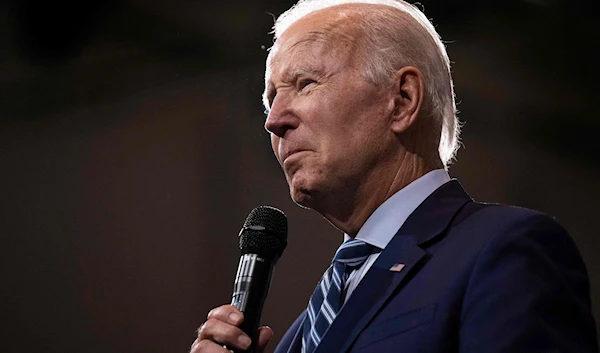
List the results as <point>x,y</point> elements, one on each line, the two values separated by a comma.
<point>397,268</point>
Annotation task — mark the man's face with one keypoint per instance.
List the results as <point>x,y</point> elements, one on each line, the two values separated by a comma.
<point>328,125</point>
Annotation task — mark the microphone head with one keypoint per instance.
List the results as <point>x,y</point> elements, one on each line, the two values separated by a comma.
<point>264,232</point>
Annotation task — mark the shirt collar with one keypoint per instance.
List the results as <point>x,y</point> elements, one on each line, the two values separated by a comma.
<point>382,225</point>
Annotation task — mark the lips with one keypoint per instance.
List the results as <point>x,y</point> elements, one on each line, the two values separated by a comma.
<point>289,153</point>
<point>285,151</point>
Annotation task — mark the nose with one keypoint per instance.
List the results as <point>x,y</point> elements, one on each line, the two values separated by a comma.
<point>281,117</point>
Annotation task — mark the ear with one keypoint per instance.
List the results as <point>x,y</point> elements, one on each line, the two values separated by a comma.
<point>408,98</point>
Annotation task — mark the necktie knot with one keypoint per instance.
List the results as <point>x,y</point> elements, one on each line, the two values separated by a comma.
<point>353,253</point>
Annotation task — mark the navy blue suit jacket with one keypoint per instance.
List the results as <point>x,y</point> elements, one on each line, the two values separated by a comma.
<point>478,278</point>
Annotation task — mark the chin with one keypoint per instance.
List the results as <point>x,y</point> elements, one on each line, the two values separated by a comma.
<point>301,198</point>
<point>307,188</point>
<point>302,195</point>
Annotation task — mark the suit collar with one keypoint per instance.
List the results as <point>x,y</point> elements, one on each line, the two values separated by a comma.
<point>384,222</point>
<point>429,220</point>
<point>435,213</point>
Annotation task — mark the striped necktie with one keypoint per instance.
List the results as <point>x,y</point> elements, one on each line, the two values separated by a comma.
<point>326,300</point>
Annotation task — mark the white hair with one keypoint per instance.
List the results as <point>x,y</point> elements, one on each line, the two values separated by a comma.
<point>391,46</point>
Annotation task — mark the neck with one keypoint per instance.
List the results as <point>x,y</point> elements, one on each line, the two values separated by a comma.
<point>349,213</point>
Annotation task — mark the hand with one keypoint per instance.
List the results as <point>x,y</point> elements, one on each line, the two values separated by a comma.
<point>221,328</point>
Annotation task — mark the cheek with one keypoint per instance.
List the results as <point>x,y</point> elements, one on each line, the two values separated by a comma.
<point>361,140</point>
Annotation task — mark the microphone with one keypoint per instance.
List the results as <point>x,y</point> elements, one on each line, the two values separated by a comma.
<point>263,238</point>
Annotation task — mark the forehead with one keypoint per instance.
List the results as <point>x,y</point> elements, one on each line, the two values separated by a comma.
<point>325,34</point>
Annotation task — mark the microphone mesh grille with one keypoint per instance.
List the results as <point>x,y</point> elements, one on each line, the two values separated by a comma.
<point>265,231</point>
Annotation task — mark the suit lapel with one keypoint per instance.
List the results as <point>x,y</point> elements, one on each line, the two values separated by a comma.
<point>292,340</point>
<point>378,284</point>
<point>429,220</point>
<point>296,343</point>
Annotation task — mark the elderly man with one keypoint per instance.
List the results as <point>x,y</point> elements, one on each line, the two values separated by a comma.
<point>363,122</point>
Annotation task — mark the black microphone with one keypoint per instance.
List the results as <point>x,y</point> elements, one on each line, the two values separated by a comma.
<point>262,241</point>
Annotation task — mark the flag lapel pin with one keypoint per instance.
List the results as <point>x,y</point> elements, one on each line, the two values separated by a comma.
<point>397,268</point>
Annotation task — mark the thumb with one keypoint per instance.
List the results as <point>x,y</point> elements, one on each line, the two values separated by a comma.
<point>265,333</point>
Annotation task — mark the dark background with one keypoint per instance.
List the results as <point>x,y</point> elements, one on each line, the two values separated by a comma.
<point>132,149</point>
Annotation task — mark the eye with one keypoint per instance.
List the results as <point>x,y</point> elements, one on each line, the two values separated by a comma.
<point>271,94</point>
<point>305,82</point>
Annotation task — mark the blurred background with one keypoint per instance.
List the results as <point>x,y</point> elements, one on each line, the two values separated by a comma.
<point>132,148</point>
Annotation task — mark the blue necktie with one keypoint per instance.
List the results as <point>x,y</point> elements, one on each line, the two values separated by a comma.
<point>326,300</point>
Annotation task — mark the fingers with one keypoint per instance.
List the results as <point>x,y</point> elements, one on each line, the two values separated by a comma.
<point>207,346</point>
<point>265,334</point>
<point>221,329</point>
<point>226,313</point>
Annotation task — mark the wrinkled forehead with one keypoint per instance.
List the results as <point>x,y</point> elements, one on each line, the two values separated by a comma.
<point>313,47</point>
<point>328,32</point>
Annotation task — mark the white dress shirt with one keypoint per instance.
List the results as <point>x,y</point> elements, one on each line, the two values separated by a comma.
<point>383,224</point>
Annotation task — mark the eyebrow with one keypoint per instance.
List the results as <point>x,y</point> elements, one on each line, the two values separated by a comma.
<point>294,70</point>
<point>291,75</point>
<point>294,73</point>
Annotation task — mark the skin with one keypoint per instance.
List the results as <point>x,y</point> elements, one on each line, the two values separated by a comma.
<point>221,326</point>
<point>345,145</point>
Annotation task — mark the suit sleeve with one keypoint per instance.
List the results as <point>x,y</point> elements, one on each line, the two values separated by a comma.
<point>528,292</point>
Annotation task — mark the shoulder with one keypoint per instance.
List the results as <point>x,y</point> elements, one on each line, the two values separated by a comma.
<point>499,223</point>
<point>501,227</point>
<point>529,276</point>
<point>483,211</point>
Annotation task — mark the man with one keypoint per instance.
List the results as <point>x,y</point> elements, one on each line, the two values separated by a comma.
<point>363,123</point>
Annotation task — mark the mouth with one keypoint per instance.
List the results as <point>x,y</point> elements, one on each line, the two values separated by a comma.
<point>290,153</point>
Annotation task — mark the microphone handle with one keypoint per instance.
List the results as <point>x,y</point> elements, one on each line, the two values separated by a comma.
<point>250,291</point>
